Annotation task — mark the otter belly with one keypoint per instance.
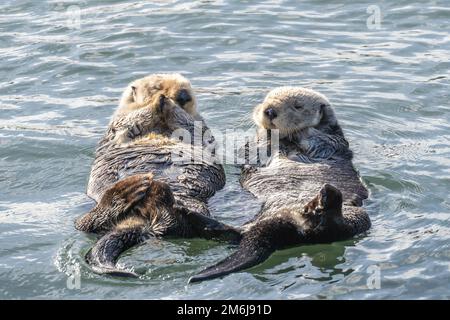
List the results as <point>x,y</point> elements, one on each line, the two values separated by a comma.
<point>199,179</point>
<point>288,183</point>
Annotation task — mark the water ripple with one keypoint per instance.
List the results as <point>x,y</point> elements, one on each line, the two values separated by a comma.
<point>59,85</point>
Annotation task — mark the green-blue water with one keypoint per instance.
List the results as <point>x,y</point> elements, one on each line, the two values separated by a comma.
<point>60,82</point>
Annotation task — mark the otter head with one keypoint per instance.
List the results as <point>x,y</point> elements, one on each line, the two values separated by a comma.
<point>143,92</point>
<point>292,109</point>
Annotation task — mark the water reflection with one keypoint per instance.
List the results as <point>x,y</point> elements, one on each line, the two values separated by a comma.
<point>327,258</point>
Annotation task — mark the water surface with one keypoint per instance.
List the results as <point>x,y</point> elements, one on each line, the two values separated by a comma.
<point>60,81</point>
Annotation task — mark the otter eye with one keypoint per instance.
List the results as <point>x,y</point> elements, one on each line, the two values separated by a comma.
<point>298,106</point>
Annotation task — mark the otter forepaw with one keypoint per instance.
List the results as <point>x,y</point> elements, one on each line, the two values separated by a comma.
<point>165,105</point>
<point>162,102</point>
<point>121,137</point>
<point>135,131</point>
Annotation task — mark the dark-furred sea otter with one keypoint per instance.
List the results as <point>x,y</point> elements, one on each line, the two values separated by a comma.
<point>310,189</point>
<point>140,190</point>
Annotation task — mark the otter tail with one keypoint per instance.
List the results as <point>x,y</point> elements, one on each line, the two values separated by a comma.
<point>244,258</point>
<point>128,233</point>
<point>103,256</point>
<point>257,244</point>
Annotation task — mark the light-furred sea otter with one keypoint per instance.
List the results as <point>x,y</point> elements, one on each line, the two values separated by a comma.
<point>311,192</point>
<point>140,190</point>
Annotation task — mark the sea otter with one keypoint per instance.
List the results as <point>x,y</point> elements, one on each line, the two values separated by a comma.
<point>310,189</point>
<point>140,189</point>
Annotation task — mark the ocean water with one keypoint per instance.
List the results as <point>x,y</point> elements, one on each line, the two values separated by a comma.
<point>385,68</point>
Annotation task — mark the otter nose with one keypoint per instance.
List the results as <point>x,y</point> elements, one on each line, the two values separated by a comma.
<point>183,97</point>
<point>270,113</point>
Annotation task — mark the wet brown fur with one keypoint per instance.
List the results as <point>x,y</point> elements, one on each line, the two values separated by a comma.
<point>139,189</point>
<point>310,189</point>
<point>142,92</point>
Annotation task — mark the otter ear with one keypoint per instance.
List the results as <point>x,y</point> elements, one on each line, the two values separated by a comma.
<point>323,113</point>
<point>327,115</point>
<point>322,109</point>
<point>134,92</point>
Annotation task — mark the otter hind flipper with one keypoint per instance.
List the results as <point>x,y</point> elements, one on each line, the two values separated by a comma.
<point>117,202</point>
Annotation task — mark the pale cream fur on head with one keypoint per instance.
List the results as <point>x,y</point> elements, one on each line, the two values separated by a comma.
<point>141,92</point>
<point>294,109</point>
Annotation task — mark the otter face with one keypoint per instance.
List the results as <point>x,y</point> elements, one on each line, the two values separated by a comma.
<point>290,109</point>
<point>142,92</point>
